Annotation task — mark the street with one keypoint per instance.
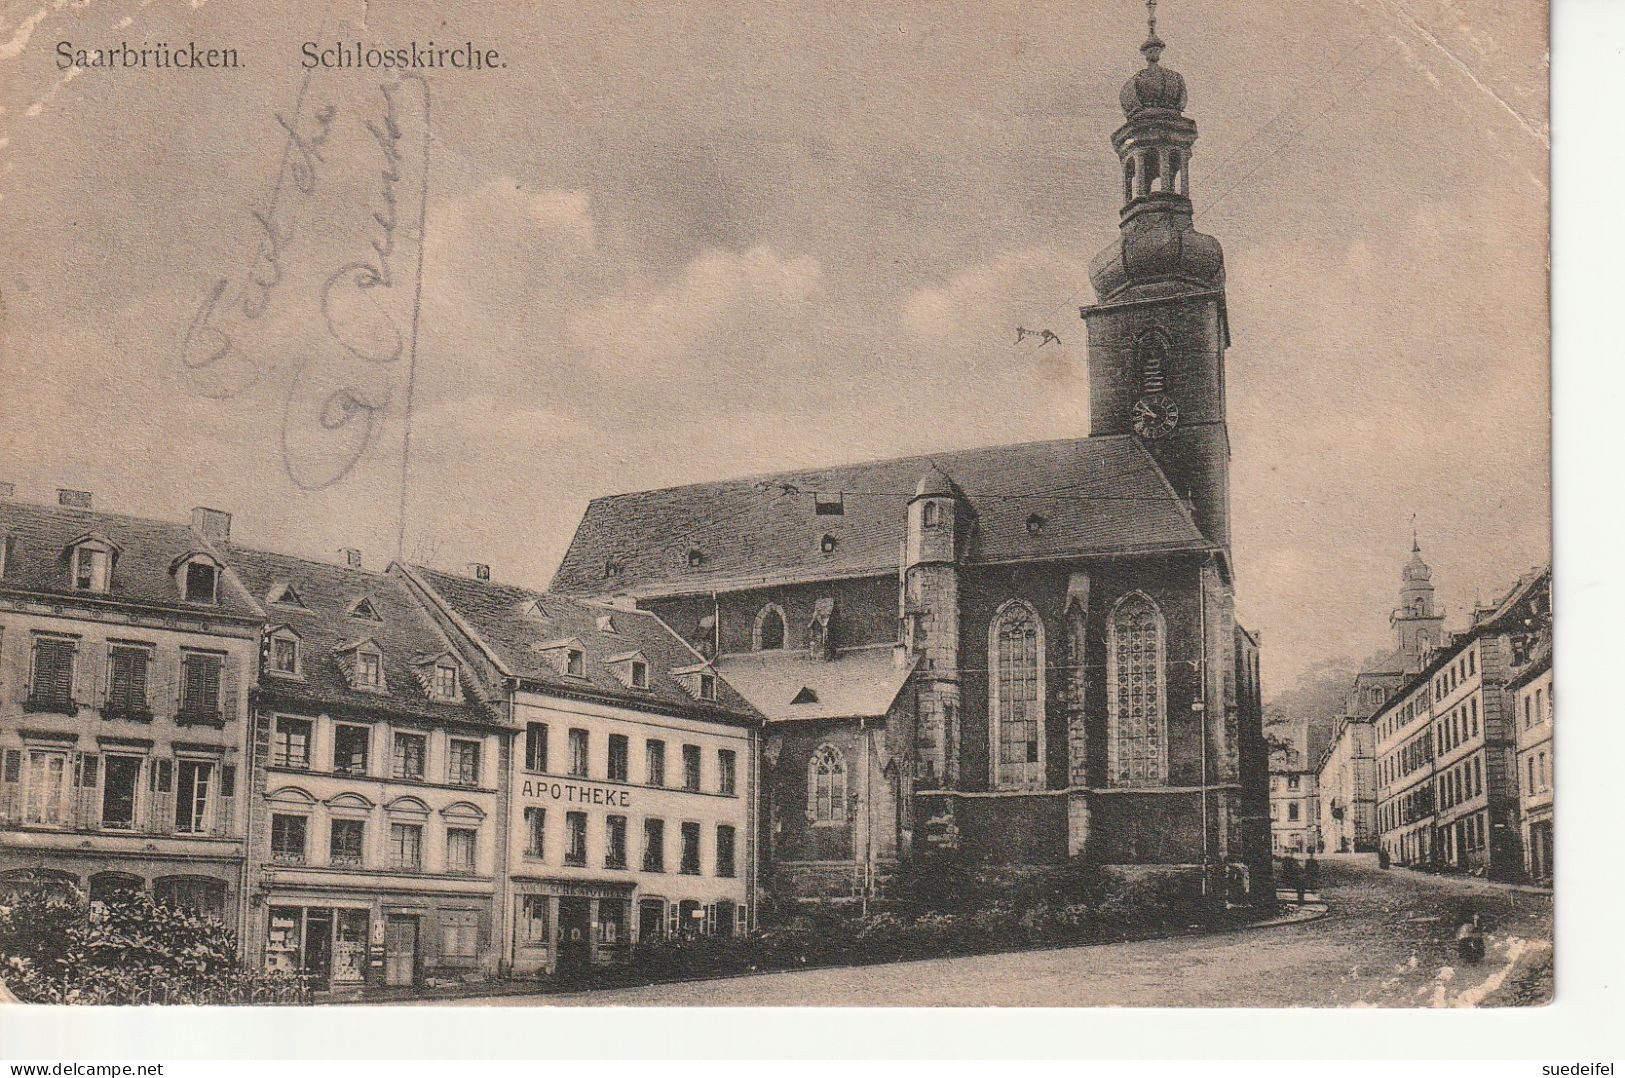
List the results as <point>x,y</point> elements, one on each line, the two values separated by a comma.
<point>1388,941</point>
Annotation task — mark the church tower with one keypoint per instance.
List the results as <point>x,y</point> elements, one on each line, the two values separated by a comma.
<point>1418,625</point>
<point>1158,332</point>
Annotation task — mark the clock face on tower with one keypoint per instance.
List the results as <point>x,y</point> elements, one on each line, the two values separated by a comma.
<point>1155,415</point>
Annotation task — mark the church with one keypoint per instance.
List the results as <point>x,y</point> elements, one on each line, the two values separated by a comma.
<point>1021,653</point>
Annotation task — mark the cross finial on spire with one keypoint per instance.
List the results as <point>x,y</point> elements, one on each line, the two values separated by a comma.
<point>1151,16</point>
<point>1153,44</point>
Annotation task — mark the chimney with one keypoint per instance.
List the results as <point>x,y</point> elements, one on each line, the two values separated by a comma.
<point>479,570</point>
<point>213,525</point>
<point>7,490</point>
<point>75,499</point>
<point>352,557</point>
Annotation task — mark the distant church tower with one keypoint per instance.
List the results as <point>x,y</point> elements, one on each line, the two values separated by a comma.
<point>1418,625</point>
<point>1158,333</point>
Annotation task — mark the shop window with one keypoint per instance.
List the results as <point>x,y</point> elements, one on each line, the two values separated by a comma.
<point>460,850</point>
<point>347,842</point>
<point>618,753</point>
<point>615,842</point>
<point>535,746</point>
<point>611,923</point>
<point>651,918</point>
<point>463,762</point>
<point>691,767</point>
<point>690,918</point>
<point>410,752</point>
<point>127,681</point>
<point>350,745</point>
<point>51,683</point>
<point>727,772</point>
<point>575,829</point>
<point>690,864</point>
<point>406,846</point>
<point>654,845</point>
<point>290,743</point>
<point>535,832</point>
<point>725,850</point>
<point>578,753</point>
<point>656,762</point>
<point>120,780</point>
<point>459,935</point>
<point>200,688</point>
<point>533,921</point>
<point>288,838</point>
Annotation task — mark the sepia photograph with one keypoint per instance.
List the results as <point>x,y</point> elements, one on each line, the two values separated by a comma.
<point>730,504</point>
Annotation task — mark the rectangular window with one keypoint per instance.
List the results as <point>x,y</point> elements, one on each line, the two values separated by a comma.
<point>350,745</point>
<point>535,832</point>
<point>725,850</point>
<point>127,680</point>
<point>535,746</point>
<point>575,663</point>
<point>200,582</point>
<point>290,743</point>
<point>691,850</point>
<point>463,763</point>
<point>708,686</point>
<point>727,772</point>
<point>47,788</point>
<point>194,780</point>
<point>1292,782</point>
<point>1292,810</point>
<point>656,763</point>
<point>640,674</point>
<point>578,753</point>
<point>654,845</point>
<point>691,767</point>
<point>406,846</point>
<point>445,682</point>
<point>284,655</point>
<point>618,753</point>
<point>52,683</point>
<point>200,688</point>
<point>459,935</point>
<point>288,839</point>
<point>122,779</point>
<point>614,841</point>
<point>370,670</point>
<point>410,750</point>
<point>575,828</point>
<point>460,850</point>
<point>346,842</point>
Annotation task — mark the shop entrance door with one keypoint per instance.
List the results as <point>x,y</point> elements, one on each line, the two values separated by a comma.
<point>350,947</point>
<point>400,951</point>
<point>319,944</point>
<point>575,936</point>
<point>651,919</point>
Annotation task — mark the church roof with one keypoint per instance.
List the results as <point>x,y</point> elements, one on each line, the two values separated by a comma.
<point>790,686</point>
<point>1067,498</point>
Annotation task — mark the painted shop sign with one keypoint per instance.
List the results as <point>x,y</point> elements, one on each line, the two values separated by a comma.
<point>576,793</point>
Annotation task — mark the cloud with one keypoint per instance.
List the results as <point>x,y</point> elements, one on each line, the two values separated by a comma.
<point>985,303</point>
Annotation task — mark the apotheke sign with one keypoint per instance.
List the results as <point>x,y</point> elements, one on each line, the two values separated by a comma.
<point>576,793</point>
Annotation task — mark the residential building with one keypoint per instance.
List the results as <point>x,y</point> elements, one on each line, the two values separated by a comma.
<point>1405,774</point>
<point>1023,652</point>
<point>1345,783</point>
<point>126,656</point>
<point>375,840</point>
<point>1532,711</point>
<point>630,781</point>
<point>1294,804</point>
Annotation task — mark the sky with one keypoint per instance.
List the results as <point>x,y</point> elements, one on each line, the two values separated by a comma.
<point>669,243</point>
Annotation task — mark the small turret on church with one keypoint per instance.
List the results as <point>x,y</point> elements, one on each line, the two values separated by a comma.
<point>931,620</point>
<point>1158,333</point>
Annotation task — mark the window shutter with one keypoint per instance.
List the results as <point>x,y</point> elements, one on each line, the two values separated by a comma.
<point>90,672</point>
<point>673,919</point>
<point>160,796</point>
<point>226,813</point>
<point>230,687</point>
<point>87,792</point>
<point>11,766</point>
<point>165,690</point>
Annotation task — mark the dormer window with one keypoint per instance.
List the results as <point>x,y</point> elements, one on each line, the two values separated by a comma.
<point>363,609</point>
<point>829,505</point>
<point>92,567</point>
<point>284,594</point>
<point>931,514</point>
<point>202,581</point>
<point>575,662</point>
<point>708,686</point>
<point>445,681</point>
<point>640,674</point>
<point>369,670</point>
<point>606,624</point>
<point>1035,524</point>
<point>696,557</point>
<point>612,567</point>
<point>827,543</point>
<point>284,656</point>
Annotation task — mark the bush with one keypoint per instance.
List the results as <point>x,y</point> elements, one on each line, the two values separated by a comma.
<point>128,950</point>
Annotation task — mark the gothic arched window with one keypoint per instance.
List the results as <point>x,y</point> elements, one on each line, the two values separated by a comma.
<point>1136,697</point>
<point>768,633</point>
<point>826,786</point>
<point>1015,647</point>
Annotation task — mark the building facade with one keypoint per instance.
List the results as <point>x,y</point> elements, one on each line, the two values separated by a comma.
<point>1532,713</point>
<point>1294,804</point>
<point>630,779</point>
<point>1021,653</point>
<point>1406,775</point>
<point>1346,786</point>
<point>126,657</point>
<point>374,840</point>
